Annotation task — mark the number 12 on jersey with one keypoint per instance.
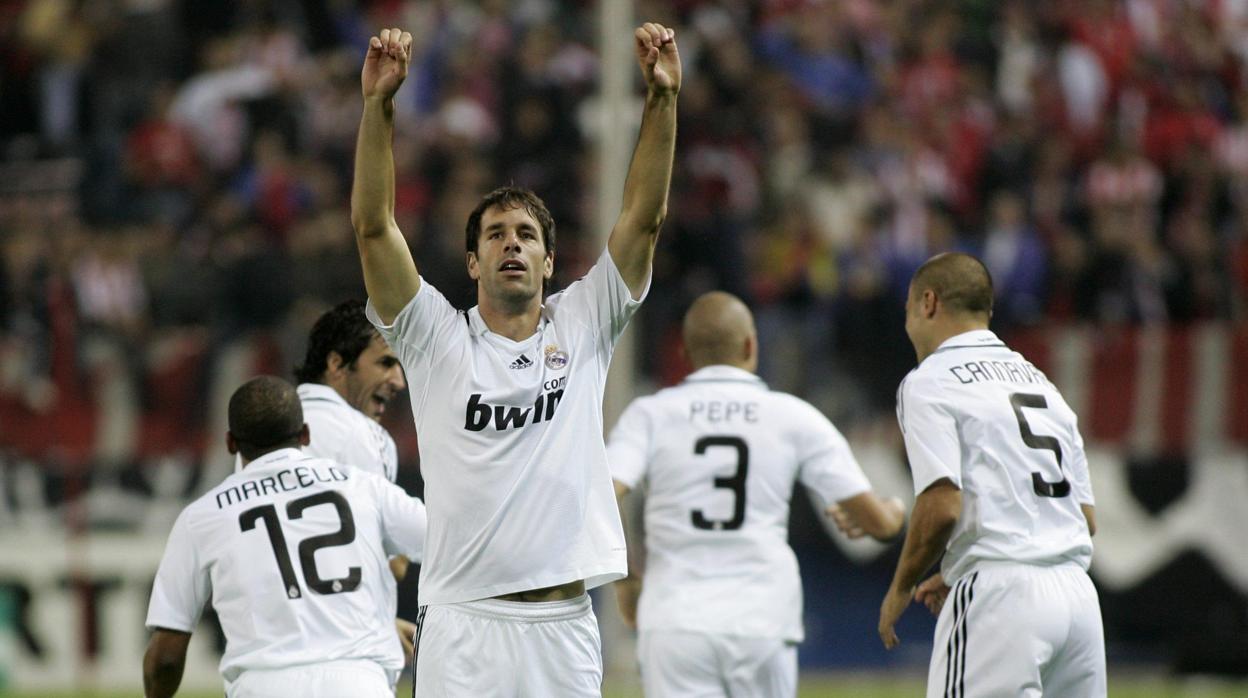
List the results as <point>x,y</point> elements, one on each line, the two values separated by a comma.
<point>307,547</point>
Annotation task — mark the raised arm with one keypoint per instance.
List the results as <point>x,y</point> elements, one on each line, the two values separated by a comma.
<point>389,270</point>
<point>650,173</point>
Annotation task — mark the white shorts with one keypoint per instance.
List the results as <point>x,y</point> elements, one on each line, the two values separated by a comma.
<point>324,680</point>
<point>688,664</point>
<point>508,649</point>
<point>1010,629</point>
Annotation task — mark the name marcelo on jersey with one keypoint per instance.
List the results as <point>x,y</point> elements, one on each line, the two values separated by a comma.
<point>478,414</point>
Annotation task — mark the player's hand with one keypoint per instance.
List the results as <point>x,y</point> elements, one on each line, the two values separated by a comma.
<point>627,591</point>
<point>658,57</point>
<point>385,65</point>
<point>895,602</point>
<point>845,522</point>
<point>407,636</point>
<point>932,593</point>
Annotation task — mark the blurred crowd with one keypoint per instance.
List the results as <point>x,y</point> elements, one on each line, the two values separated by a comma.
<point>175,166</point>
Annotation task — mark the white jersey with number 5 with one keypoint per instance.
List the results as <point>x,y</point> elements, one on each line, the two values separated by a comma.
<point>718,456</point>
<point>981,415</point>
<point>292,552</point>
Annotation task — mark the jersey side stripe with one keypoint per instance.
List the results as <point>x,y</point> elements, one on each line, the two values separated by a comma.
<point>420,624</point>
<point>966,612</point>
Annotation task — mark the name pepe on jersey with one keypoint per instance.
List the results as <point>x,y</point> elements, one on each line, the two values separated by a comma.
<point>300,476</point>
<point>478,414</point>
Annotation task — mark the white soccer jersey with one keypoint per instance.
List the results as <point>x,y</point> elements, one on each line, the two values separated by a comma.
<point>292,551</point>
<point>983,416</point>
<point>511,446</point>
<point>718,455</point>
<point>344,434</point>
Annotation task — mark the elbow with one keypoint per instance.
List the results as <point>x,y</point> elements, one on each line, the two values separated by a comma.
<point>367,227</point>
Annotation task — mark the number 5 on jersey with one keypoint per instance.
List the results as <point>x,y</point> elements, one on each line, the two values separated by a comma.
<point>1042,487</point>
<point>307,547</point>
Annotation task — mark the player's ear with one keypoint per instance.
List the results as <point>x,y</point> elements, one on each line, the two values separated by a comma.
<point>930,301</point>
<point>333,362</point>
<point>474,272</point>
<point>548,265</point>
<point>305,435</point>
<point>230,444</point>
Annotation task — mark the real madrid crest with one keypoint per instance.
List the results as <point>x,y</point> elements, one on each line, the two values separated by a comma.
<point>555,359</point>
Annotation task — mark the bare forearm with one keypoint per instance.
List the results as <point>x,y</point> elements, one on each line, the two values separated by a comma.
<point>372,191</point>
<point>161,677</point>
<point>650,173</point>
<point>932,523</point>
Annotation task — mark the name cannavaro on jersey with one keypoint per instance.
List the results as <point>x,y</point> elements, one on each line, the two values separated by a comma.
<point>479,414</point>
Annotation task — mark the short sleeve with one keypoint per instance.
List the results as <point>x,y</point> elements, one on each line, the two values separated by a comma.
<point>827,465</point>
<point>601,299</point>
<point>182,585</point>
<point>1080,477</point>
<point>404,521</point>
<point>628,448</point>
<point>931,433</point>
<point>419,326</point>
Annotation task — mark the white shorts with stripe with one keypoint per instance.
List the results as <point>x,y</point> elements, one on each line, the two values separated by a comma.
<point>508,649</point>
<point>324,680</point>
<point>686,664</point>
<point>1010,629</point>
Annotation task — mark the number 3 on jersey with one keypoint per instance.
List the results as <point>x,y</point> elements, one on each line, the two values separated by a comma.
<point>308,547</point>
<point>734,482</point>
<point>1042,487</point>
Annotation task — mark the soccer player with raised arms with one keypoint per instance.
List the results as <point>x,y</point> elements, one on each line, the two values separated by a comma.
<point>1003,494</point>
<point>507,399</point>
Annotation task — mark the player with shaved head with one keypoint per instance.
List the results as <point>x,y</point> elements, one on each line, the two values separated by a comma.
<point>720,604</point>
<point>291,552</point>
<point>1003,494</point>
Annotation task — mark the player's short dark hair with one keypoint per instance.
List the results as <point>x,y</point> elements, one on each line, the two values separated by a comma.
<point>508,198</point>
<point>265,415</point>
<point>345,330</point>
<point>959,280</point>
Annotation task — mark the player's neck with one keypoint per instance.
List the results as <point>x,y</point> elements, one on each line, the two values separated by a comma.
<point>951,327</point>
<point>516,323</point>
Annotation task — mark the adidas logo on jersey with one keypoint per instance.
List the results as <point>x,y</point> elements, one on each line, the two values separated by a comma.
<point>521,361</point>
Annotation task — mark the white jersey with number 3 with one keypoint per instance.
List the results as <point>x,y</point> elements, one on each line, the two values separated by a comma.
<point>292,552</point>
<point>718,456</point>
<point>981,415</point>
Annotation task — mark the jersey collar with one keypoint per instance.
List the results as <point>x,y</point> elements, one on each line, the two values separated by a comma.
<point>319,391</point>
<point>972,339</point>
<point>720,373</point>
<point>477,324</point>
<point>280,456</point>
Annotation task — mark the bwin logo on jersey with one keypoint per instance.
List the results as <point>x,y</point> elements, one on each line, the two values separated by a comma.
<point>478,415</point>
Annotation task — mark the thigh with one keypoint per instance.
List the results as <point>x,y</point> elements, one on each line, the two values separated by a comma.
<point>759,667</point>
<point>312,681</point>
<point>565,657</point>
<point>677,664</point>
<point>1078,666</point>
<point>459,654</point>
<point>985,642</point>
